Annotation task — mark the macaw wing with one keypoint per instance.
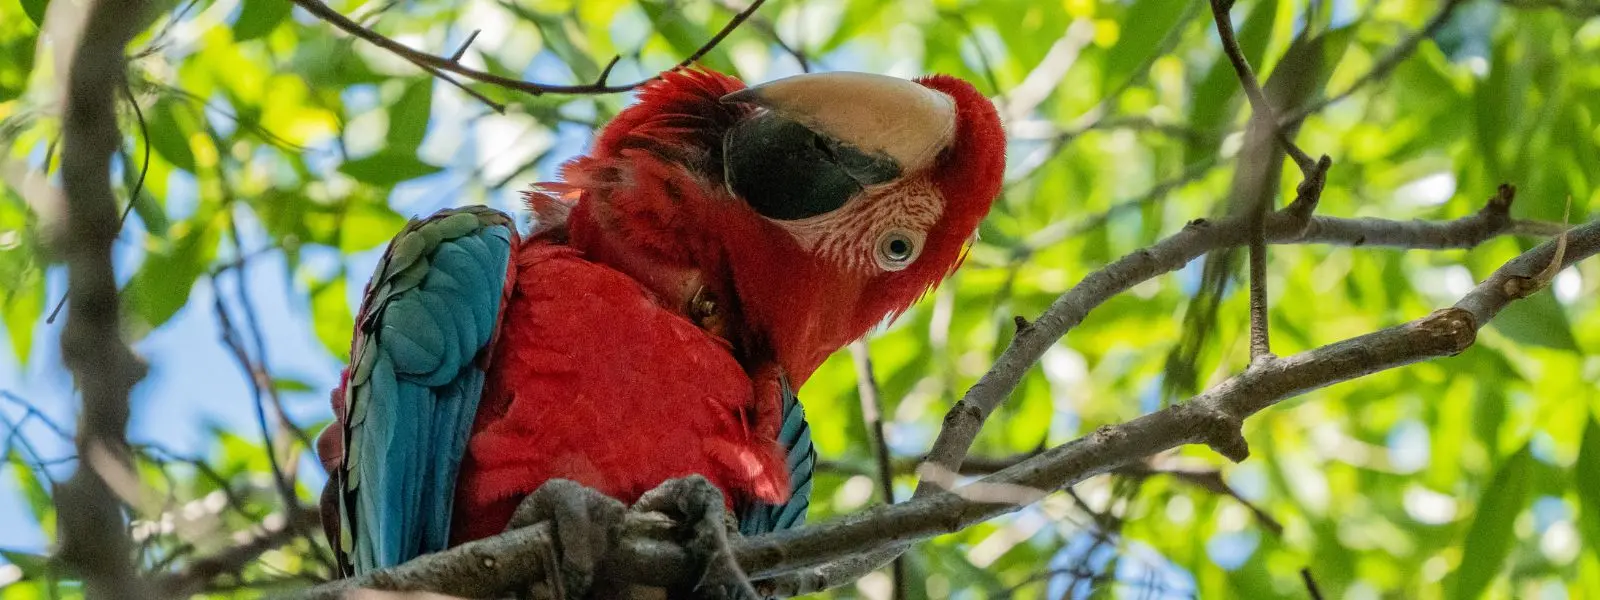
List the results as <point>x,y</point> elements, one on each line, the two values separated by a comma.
<point>417,368</point>
<point>795,436</point>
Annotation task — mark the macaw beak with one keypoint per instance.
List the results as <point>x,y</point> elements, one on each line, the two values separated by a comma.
<point>825,138</point>
<point>876,115</point>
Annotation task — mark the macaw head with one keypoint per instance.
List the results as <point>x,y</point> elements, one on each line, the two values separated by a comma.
<point>793,216</point>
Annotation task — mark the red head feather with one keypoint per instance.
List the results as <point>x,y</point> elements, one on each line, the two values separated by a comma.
<point>656,203</point>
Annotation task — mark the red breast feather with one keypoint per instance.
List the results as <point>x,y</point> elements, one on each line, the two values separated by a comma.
<point>593,381</point>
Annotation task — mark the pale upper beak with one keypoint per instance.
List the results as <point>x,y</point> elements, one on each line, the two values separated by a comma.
<point>875,114</point>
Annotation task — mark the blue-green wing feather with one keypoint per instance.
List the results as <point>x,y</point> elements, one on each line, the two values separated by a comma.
<point>795,437</point>
<point>416,376</point>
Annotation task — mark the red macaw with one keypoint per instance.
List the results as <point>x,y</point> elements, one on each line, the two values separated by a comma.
<point>715,246</point>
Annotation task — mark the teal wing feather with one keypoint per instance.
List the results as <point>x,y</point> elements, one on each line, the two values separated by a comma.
<point>417,369</point>
<point>795,437</point>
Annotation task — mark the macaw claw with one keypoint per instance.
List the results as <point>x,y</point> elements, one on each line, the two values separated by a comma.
<point>584,523</point>
<point>697,507</point>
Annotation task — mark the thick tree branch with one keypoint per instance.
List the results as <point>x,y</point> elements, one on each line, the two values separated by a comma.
<point>93,541</point>
<point>1293,224</point>
<point>965,419</point>
<point>1213,418</point>
<point>437,64</point>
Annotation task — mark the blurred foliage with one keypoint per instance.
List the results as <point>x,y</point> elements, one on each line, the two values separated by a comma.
<point>268,132</point>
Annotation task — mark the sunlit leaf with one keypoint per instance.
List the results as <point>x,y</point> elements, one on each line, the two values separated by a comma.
<point>285,384</point>
<point>1586,476</point>
<point>1146,23</point>
<point>1490,537</point>
<point>18,44</point>
<point>24,305</point>
<point>32,488</point>
<point>332,317</point>
<point>35,10</point>
<point>1537,320</point>
<point>259,17</point>
<point>162,285</point>
<point>169,134</point>
<point>368,225</point>
<point>408,117</point>
<point>33,566</point>
<point>685,36</point>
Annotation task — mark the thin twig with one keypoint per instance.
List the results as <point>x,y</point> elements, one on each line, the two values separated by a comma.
<point>196,575</point>
<point>1063,230</point>
<point>138,185</point>
<point>771,32</point>
<point>1311,584</point>
<point>872,413</point>
<point>1252,87</point>
<point>455,57</point>
<point>435,65</point>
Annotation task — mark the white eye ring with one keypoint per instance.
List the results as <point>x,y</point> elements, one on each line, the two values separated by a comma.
<point>897,249</point>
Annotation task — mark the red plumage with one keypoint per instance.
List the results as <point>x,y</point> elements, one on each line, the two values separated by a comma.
<point>610,370</point>
<point>593,381</point>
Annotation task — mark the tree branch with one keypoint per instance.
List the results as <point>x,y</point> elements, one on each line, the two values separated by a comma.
<point>197,575</point>
<point>1213,418</point>
<point>93,540</point>
<point>435,65</point>
<point>1252,87</point>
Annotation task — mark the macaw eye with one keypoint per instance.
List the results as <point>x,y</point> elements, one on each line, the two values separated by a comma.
<point>786,171</point>
<point>896,249</point>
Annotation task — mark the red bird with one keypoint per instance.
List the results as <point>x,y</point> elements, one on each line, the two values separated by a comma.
<point>714,247</point>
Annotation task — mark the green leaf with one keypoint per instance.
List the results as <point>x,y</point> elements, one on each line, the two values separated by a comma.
<point>1537,320</point>
<point>35,10</point>
<point>331,313</point>
<point>149,209</point>
<point>686,37</point>
<point>327,61</point>
<point>1146,23</point>
<point>1584,477</point>
<point>23,306</point>
<point>161,287</point>
<point>259,17</point>
<point>408,118</point>
<point>32,489</point>
<point>1491,535</point>
<point>387,168</point>
<point>368,225</point>
<point>168,136</point>
<point>33,566</point>
<point>553,33</point>
<point>285,384</point>
<point>18,43</point>
<point>1216,92</point>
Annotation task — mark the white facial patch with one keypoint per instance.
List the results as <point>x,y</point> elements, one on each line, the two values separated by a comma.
<point>863,235</point>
